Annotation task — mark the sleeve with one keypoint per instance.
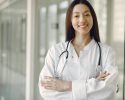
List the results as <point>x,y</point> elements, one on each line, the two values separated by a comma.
<point>93,89</point>
<point>47,70</point>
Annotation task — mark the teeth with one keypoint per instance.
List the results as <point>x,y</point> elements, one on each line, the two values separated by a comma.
<point>82,26</point>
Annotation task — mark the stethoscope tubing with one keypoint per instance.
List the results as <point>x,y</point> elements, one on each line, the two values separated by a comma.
<point>67,55</point>
<point>66,51</point>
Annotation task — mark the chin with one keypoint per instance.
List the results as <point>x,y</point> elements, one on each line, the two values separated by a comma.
<point>84,32</point>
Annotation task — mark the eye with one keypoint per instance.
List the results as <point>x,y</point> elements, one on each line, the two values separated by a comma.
<point>76,16</point>
<point>87,14</point>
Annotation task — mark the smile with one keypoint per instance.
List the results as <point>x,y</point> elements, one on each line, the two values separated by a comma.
<point>83,26</point>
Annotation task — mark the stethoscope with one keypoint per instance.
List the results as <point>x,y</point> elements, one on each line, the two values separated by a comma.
<point>66,52</point>
<point>59,75</point>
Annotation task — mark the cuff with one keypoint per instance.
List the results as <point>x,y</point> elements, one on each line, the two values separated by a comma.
<point>79,90</point>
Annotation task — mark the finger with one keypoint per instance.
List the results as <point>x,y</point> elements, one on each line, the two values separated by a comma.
<point>50,88</point>
<point>48,85</point>
<point>49,81</point>
<point>48,77</point>
<point>105,75</point>
<point>101,78</point>
<point>104,72</point>
<point>46,82</point>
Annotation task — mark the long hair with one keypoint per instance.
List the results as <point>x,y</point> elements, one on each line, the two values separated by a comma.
<point>70,32</point>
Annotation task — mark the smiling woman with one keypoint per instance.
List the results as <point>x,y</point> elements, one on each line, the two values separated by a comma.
<point>72,65</point>
<point>82,68</point>
<point>82,19</point>
<point>82,23</point>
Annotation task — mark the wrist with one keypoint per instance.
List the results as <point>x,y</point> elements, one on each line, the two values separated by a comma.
<point>67,86</point>
<point>70,86</point>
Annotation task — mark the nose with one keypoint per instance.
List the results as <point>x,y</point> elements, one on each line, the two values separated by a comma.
<point>82,18</point>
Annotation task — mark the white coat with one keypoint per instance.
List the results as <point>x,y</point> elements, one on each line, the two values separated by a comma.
<point>82,71</point>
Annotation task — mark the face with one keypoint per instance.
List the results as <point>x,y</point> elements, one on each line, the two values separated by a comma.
<point>82,20</point>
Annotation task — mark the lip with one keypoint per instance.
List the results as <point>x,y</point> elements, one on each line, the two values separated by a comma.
<point>83,26</point>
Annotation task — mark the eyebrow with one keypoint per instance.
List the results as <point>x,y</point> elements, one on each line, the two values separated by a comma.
<point>84,12</point>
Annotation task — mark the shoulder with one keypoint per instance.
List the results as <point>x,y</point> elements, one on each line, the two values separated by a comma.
<point>106,48</point>
<point>58,48</point>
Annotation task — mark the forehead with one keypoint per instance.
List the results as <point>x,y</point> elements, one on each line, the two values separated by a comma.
<point>81,8</point>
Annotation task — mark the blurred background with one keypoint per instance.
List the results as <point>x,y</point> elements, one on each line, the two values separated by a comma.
<point>29,27</point>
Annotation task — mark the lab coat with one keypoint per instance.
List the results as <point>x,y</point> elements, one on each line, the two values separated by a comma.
<point>82,71</point>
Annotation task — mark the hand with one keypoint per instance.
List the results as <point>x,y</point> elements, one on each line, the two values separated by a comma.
<point>51,83</point>
<point>102,76</point>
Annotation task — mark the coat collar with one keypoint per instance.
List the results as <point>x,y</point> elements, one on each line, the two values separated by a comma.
<point>72,51</point>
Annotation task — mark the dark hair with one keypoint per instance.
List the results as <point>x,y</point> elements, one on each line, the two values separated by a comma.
<point>70,32</point>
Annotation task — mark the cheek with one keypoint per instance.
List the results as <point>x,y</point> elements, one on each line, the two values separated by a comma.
<point>74,23</point>
<point>91,22</point>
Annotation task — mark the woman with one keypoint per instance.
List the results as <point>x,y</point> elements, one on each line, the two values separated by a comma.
<point>81,68</point>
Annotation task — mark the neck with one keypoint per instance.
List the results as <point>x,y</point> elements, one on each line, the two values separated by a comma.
<point>81,40</point>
